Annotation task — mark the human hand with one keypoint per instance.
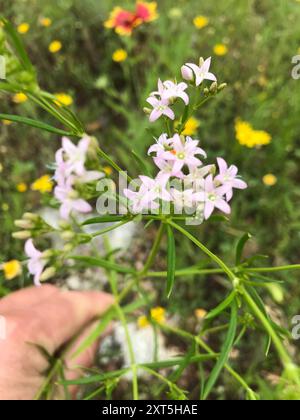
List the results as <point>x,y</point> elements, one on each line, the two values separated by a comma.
<point>49,318</point>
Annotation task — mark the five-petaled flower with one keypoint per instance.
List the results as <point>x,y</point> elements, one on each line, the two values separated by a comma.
<point>228,177</point>
<point>160,107</point>
<point>198,74</point>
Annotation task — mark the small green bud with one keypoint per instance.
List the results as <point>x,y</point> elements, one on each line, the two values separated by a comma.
<point>24,234</point>
<point>213,88</point>
<point>48,273</point>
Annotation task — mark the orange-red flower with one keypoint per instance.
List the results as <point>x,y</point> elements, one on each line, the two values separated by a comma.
<point>146,12</point>
<point>124,21</point>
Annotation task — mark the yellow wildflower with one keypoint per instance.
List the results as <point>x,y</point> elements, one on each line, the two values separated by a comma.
<point>43,184</point>
<point>22,187</point>
<point>6,122</point>
<point>157,314</point>
<point>191,127</point>
<point>108,170</point>
<point>247,136</point>
<point>201,21</point>
<point>119,56</point>
<point>23,28</point>
<point>46,22</point>
<point>19,98</point>
<point>220,49</point>
<point>63,99</point>
<point>270,180</point>
<point>11,269</point>
<point>200,313</point>
<point>55,47</point>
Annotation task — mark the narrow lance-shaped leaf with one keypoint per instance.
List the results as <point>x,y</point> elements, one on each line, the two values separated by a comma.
<point>34,123</point>
<point>99,262</point>
<point>17,44</point>
<point>224,355</point>
<point>221,308</point>
<point>171,261</point>
<point>240,247</point>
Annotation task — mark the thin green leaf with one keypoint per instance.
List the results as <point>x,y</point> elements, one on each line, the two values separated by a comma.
<point>17,44</point>
<point>104,219</point>
<point>171,260</point>
<point>141,164</point>
<point>227,347</point>
<point>221,308</point>
<point>33,123</point>
<point>96,333</point>
<point>99,262</point>
<point>240,247</point>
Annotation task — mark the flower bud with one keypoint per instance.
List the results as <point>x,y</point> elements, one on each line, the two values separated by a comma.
<point>68,248</point>
<point>187,73</point>
<point>48,274</point>
<point>67,235</point>
<point>213,88</point>
<point>201,61</point>
<point>24,224</point>
<point>222,86</point>
<point>147,111</point>
<point>30,216</point>
<point>24,234</point>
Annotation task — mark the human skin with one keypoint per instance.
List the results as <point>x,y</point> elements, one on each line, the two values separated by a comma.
<point>49,318</point>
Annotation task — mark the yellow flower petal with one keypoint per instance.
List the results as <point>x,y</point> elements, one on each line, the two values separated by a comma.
<point>11,269</point>
<point>201,21</point>
<point>46,22</point>
<point>119,56</point>
<point>63,99</point>
<point>220,49</point>
<point>270,180</point>
<point>55,47</point>
<point>19,98</point>
<point>23,28</point>
<point>22,187</point>
<point>43,184</point>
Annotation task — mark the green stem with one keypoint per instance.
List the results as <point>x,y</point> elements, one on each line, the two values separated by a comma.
<point>283,354</point>
<point>153,251</point>
<point>214,257</point>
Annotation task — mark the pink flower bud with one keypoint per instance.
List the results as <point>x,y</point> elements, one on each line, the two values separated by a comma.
<point>187,73</point>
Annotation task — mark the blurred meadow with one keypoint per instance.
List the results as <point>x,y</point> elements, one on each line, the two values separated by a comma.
<point>105,78</point>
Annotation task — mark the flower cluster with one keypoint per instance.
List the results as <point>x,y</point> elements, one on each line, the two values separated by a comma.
<point>168,92</point>
<point>183,184</point>
<point>70,173</point>
<point>247,136</point>
<point>125,21</point>
<point>183,181</point>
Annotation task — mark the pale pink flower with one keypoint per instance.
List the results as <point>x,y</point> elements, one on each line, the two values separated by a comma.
<point>228,177</point>
<point>146,198</point>
<point>199,73</point>
<point>166,170</point>
<point>70,201</point>
<point>183,200</point>
<point>36,263</point>
<point>160,107</point>
<point>171,91</point>
<point>162,144</point>
<point>75,156</point>
<point>213,197</point>
<point>183,153</point>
